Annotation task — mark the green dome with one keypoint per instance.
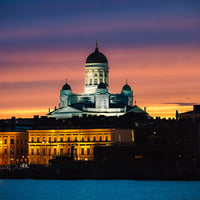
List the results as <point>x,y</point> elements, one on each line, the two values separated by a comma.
<point>66,87</point>
<point>126,87</point>
<point>96,57</point>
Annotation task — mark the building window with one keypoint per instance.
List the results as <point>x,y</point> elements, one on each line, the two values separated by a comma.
<point>95,75</point>
<point>68,139</point>
<point>17,141</point>
<point>95,81</point>
<point>49,139</point>
<point>5,151</point>
<point>43,152</point>
<point>90,81</point>
<point>75,151</point>
<point>61,152</point>
<point>38,139</point>
<point>61,139</point>
<point>88,151</point>
<point>82,151</point>
<point>55,139</point>
<point>82,139</point>
<point>32,139</point>
<point>106,138</point>
<point>5,141</point>
<point>68,151</point>
<point>11,151</point>
<point>38,152</point>
<point>11,141</point>
<point>54,152</point>
<point>100,138</point>
<point>32,151</point>
<point>75,139</point>
<point>49,151</point>
<point>88,139</point>
<point>94,138</point>
<point>21,141</point>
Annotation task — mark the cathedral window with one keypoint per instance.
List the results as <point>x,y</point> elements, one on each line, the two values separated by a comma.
<point>90,81</point>
<point>95,81</point>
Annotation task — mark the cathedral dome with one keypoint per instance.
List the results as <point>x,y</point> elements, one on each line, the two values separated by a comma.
<point>66,87</point>
<point>102,86</point>
<point>126,87</point>
<point>96,57</point>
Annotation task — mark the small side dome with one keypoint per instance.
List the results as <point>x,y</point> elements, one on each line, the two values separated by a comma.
<point>126,87</point>
<point>102,86</point>
<point>66,87</point>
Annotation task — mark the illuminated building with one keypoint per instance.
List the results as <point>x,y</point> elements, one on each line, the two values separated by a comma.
<point>13,148</point>
<point>96,100</point>
<point>44,145</point>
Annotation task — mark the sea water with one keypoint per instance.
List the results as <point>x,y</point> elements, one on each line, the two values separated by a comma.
<point>98,190</point>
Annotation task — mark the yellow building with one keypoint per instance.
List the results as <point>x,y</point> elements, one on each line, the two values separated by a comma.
<point>44,145</point>
<point>13,148</point>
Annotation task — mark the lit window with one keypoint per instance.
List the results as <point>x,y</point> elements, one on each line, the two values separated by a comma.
<point>11,151</point>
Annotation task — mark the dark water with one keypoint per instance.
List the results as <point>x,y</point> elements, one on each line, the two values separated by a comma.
<point>98,190</point>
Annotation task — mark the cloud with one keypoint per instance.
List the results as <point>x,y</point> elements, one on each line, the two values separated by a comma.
<point>181,104</point>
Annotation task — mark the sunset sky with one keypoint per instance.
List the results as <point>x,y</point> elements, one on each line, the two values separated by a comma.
<point>154,44</point>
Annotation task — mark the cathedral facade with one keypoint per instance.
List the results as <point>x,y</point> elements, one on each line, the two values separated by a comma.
<point>96,100</point>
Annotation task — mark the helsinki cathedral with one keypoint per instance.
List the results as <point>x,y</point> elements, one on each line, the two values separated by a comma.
<point>96,100</point>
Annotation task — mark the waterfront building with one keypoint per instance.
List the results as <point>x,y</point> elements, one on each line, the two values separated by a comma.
<point>78,144</point>
<point>96,100</point>
<point>13,148</point>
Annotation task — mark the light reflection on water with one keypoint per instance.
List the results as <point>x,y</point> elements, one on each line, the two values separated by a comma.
<point>98,190</point>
